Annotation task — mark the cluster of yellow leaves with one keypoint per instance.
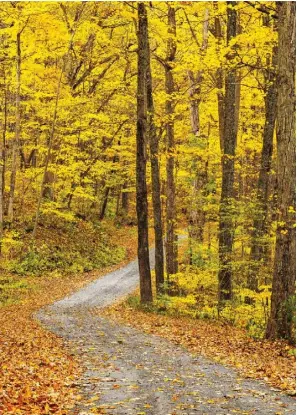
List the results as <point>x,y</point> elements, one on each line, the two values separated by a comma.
<point>270,361</point>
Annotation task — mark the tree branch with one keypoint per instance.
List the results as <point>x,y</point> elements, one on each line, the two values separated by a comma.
<point>263,9</point>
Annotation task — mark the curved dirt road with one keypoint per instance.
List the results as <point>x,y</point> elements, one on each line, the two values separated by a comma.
<point>128,372</point>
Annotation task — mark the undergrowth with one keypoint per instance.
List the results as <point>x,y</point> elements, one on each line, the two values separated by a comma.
<point>193,293</point>
<point>61,248</point>
<point>250,317</point>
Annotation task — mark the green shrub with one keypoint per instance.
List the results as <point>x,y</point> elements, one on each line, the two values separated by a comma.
<point>80,248</point>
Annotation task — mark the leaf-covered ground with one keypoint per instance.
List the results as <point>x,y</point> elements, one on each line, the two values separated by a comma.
<point>273,362</point>
<point>126,371</point>
<point>38,374</point>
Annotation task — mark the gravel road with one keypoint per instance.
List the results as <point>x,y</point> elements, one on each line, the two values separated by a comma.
<point>128,372</point>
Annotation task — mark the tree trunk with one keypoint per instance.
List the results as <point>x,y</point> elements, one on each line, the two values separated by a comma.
<point>229,142</point>
<point>3,154</point>
<point>1,199</point>
<point>2,165</point>
<point>48,192</point>
<point>1,192</point>
<point>258,254</point>
<point>48,156</point>
<point>194,92</point>
<point>238,80</point>
<point>104,203</point>
<point>49,179</point>
<point>141,187</point>
<point>171,236</point>
<point>237,99</point>
<point>119,194</point>
<point>194,230</point>
<point>219,78</point>
<point>283,286</point>
<point>155,174</point>
<point>16,141</point>
<point>197,214</point>
<point>125,199</point>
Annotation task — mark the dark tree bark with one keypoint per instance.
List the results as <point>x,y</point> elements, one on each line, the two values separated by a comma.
<point>16,141</point>
<point>118,196</point>
<point>4,131</point>
<point>155,174</point>
<point>229,146</point>
<point>141,187</point>
<point>197,214</point>
<point>48,191</point>
<point>195,98</point>
<point>125,199</point>
<point>48,157</point>
<point>2,162</point>
<point>196,219</point>
<point>1,204</point>
<point>283,286</point>
<point>259,248</point>
<point>219,78</point>
<point>104,203</point>
<point>171,236</point>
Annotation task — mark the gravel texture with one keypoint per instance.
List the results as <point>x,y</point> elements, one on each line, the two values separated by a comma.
<point>128,372</point>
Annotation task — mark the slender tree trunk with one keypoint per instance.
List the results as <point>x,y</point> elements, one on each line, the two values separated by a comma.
<point>258,254</point>
<point>119,193</point>
<point>141,187</point>
<point>221,106</point>
<point>16,141</point>
<point>237,99</point>
<point>194,229</point>
<point>197,214</point>
<point>1,211</point>
<point>4,136</point>
<point>194,92</point>
<point>238,81</point>
<point>155,174</point>
<point>196,81</point>
<point>219,78</point>
<point>171,236</point>
<point>281,320</point>
<point>230,135</point>
<point>49,179</point>
<point>1,205</point>
<point>48,156</point>
<point>104,203</point>
<point>125,199</point>
<point>2,165</point>
<point>108,188</point>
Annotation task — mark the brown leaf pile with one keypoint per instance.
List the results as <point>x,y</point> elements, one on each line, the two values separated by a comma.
<point>37,374</point>
<point>270,361</point>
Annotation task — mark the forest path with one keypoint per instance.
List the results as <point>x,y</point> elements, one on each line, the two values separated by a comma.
<point>129,372</point>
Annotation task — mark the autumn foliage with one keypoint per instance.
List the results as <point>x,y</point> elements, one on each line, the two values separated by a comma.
<point>170,117</point>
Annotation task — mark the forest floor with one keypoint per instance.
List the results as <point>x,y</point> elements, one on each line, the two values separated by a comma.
<point>272,362</point>
<point>125,371</point>
<point>107,367</point>
<point>37,372</point>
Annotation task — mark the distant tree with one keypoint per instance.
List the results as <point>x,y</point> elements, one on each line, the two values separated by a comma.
<point>226,226</point>
<point>259,248</point>
<point>16,141</point>
<point>171,236</point>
